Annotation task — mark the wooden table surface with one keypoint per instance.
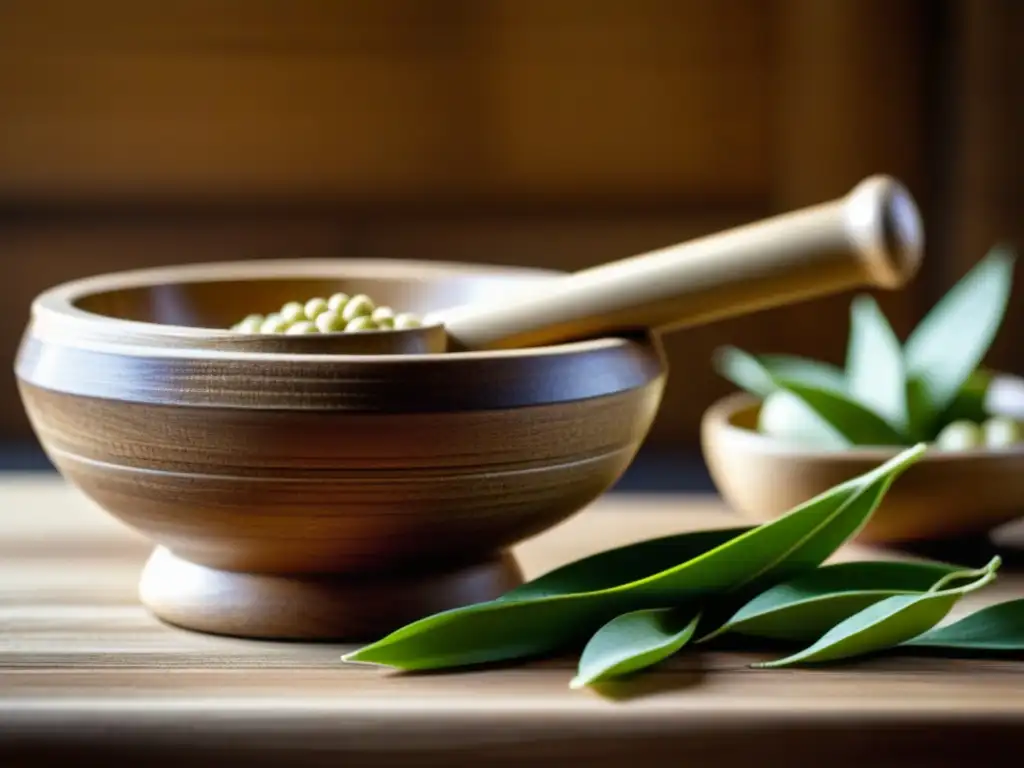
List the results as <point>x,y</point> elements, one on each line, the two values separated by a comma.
<point>86,674</point>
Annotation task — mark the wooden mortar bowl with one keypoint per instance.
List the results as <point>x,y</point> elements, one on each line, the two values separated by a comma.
<point>298,495</point>
<point>946,494</point>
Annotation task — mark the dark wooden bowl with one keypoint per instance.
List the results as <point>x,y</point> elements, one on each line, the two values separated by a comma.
<point>294,493</point>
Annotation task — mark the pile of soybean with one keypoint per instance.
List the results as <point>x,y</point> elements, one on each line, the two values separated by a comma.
<point>339,313</point>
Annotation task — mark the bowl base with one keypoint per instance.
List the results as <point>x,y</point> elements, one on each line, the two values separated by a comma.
<point>354,608</point>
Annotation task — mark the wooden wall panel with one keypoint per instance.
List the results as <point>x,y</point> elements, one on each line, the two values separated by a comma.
<point>851,100</point>
<point>983,185</point>
<point>194,100</point>
<point>384,100</point>
<point>652,97</point>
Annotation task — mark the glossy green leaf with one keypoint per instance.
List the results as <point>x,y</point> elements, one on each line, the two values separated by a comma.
<point>480,633</point>
<point>804,608</point>
<point>998,627</point>
<point>527,626</point>
<point>798,541</point>
<point>889,622</point>
<point>954,337</point>
<point>855,422</point>
<point>633,641</point>
<point>623,565</point>
<point>874,363</point>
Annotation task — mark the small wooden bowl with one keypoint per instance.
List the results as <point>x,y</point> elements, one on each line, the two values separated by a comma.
<point>298,494</point>
<point>945,495</point>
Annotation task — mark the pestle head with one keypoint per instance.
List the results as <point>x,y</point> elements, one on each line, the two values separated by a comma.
<point>885,224</point>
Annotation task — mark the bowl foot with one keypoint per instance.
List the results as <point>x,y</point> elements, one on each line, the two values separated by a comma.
<point>323,608</point>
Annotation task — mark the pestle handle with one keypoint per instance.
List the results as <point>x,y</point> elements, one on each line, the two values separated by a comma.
<point>871,237</point>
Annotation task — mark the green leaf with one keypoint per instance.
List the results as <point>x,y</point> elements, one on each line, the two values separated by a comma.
<point>745,371</point>
<point>855,422</point>
<point>922,419</point>
<point>633,641</point>
<point>888,622</point>
<point>623,565</point>
<point>953,339</point>
<point>998,627</point>
<point>748,371</point>
<point>784,416</point>
<point>798,541</point>
<point>478,633</point>
<point>970,404</point>
<point>803,370</point>
<point>874,363</point>
<point>532,625</point>
<point>803,609</point>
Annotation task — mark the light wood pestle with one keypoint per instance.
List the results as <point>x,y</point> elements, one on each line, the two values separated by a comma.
<point>872,237</point>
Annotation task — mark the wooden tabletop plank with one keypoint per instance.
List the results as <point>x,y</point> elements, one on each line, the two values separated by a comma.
<point>84,667</point>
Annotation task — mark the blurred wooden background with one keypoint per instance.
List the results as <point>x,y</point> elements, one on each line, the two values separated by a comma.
<point>556,133</point>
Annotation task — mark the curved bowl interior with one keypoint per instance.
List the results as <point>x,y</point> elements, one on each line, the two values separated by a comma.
<point>325,463</point>
<point>945,495</point>
<point>214,296</point>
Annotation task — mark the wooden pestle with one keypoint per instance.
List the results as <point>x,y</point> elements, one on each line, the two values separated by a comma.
<point>871,237</point>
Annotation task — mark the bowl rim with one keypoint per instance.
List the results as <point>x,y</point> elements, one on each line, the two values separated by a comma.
<point>54,311</point>
<point>719,418</point>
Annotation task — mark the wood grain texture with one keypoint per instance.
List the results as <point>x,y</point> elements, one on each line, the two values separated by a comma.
<point>315,99</point>
<point>87,673</point>
<point>314,472</point>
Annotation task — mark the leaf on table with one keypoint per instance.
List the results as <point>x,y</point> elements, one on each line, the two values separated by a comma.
<point>798,541</point>
<point>527,625</point>
<point>804,608</point>
<point>634,641</point>
<point>954,337</point>
<point>874,363</point>
<point>623,565</point>
<point>998,627</point>
<point>889,622</point>
<point>540,615</point>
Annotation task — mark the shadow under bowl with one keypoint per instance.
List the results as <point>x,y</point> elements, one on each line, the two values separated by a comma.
<point>946,494</point>
<point>299,494</point>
